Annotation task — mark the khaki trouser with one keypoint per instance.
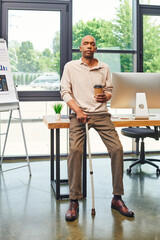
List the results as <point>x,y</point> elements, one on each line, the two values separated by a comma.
<point>105,128</point>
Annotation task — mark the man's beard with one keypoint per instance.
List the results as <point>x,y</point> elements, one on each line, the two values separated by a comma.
<point>88,56</point>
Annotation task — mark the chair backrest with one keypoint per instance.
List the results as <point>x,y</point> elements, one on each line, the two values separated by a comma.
<point>157,132</point>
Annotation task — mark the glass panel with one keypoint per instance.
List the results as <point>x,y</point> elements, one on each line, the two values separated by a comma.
<point>36,132</point>
<point>150,2</point>
<point>110,22</point>
<point>38,135</point>
<point>151,43</point>
<point>151,59</point>
<point>34,48</point>
<point>117,62</point>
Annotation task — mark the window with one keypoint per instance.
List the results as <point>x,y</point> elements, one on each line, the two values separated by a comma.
<point>37,35</point>
<point>36,133</point>
<point>33,48</point>
<point>151,40</point>
<point>150,2</point>
<point>110,22</point>
<point>111,25</point>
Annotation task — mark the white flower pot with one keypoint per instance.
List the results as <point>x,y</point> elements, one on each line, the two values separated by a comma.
<point>58,116</point>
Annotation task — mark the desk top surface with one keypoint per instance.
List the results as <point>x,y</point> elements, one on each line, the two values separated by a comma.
<point>130,121</point>
<point>51,122</point>
<point>118,120</point>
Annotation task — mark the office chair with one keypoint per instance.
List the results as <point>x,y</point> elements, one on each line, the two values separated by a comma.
<point>141,133</point>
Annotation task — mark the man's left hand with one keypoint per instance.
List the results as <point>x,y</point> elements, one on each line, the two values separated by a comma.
<point>101,98</point>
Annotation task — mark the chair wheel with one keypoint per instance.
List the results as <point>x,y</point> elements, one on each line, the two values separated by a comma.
<point>128,170</point>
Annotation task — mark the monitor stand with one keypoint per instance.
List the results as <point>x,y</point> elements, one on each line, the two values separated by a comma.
<point>141,111</point>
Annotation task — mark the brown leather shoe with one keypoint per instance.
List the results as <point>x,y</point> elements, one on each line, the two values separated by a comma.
<point>72,212</point>
<point>120,206</point>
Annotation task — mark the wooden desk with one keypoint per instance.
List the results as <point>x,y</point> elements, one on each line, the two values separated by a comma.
<point>123,121</point>
<point>119,121</point>
<point>55,126</point>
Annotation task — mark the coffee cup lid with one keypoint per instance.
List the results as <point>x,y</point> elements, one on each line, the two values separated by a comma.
<point>98,86</point>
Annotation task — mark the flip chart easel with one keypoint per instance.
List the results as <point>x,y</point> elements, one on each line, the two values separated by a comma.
<point>9,99</point>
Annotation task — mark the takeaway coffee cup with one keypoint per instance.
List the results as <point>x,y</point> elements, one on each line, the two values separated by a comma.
<point>98,89</point>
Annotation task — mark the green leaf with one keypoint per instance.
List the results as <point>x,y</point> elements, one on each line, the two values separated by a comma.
<point>57,107</point>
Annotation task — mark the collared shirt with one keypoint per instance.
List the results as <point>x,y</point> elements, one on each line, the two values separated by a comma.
<point>78,81</point>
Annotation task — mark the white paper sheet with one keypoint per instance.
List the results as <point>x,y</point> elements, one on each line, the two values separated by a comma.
<point>7,88</point>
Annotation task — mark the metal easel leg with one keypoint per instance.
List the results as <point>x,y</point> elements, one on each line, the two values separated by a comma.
<point>9,121</point>
<point>4,146</point>
<point>25,145</point>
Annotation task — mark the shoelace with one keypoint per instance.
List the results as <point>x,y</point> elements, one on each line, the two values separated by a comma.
<point>123,203</point>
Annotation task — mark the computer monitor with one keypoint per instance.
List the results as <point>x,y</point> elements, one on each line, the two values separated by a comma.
<point>127,86</point>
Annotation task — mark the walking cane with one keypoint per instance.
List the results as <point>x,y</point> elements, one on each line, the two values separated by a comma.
<point>93,212</point>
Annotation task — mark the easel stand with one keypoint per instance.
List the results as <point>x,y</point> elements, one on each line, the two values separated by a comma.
<point>15,107</point>
<point>9,98</point>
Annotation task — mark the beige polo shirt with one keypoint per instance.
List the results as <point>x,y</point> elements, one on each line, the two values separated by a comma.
<point>78,81</point>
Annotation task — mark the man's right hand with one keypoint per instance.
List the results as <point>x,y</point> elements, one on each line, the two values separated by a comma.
<point>81,117</point>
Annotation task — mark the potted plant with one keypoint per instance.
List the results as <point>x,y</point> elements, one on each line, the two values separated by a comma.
<point>57,108</point>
